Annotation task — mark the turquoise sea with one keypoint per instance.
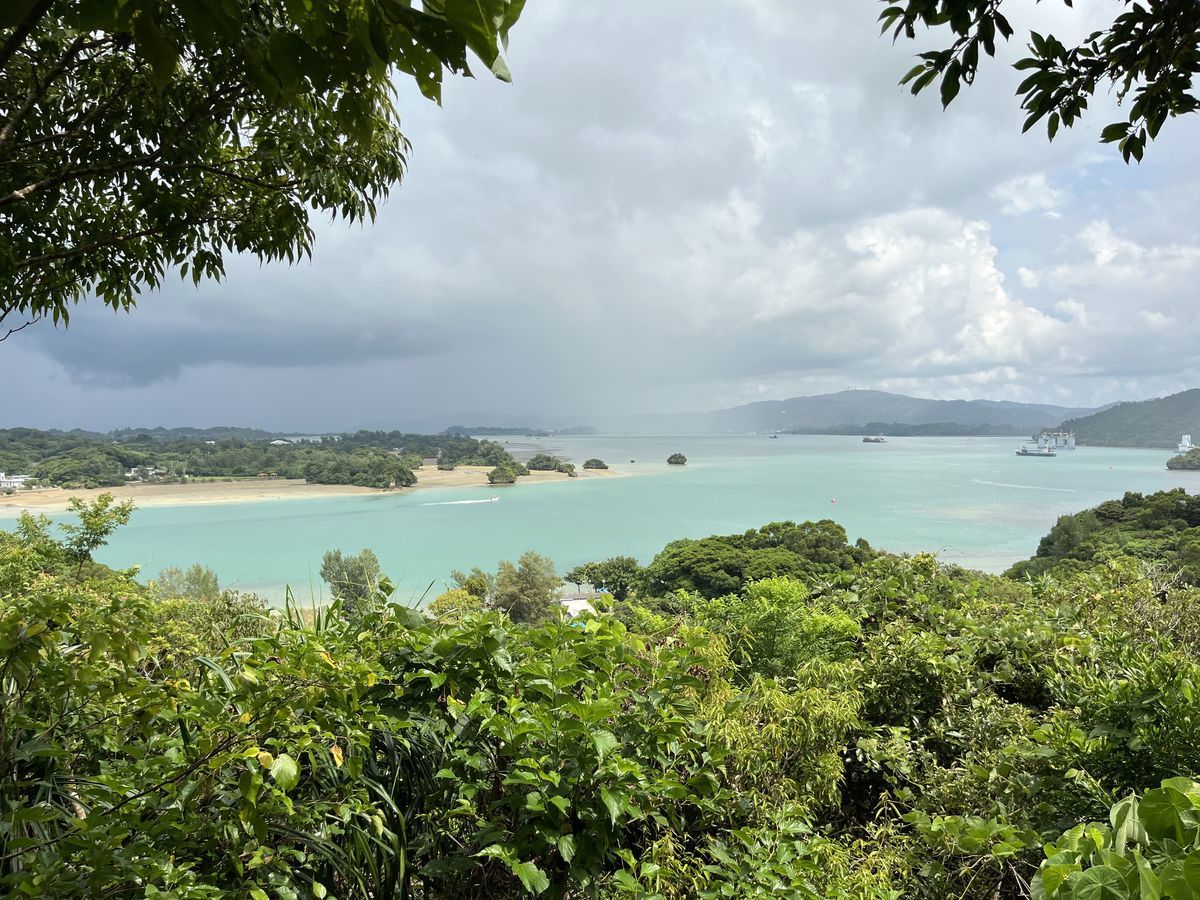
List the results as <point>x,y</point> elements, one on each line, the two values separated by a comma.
<point>969,499</point>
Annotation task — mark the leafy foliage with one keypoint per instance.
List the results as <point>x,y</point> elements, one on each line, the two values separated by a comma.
<point>594,463</point>
<point>1149,56</point>
<point>248,771</point>
<point>1150,847</point>
<point>353,579</point>
<point>878,727</point>
<point>142,137</point>
<point>719,565</point>
<point>618,575</point>
<point>676,459</point>
<point>526,591</point>
<point>502,475</point>
<point>1161,528</point>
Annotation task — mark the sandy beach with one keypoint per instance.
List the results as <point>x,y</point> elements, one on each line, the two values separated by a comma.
<point>54,500</point>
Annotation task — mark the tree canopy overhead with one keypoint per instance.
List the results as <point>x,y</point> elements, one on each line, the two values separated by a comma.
<point>1149,55</point>
<point>142,136</point>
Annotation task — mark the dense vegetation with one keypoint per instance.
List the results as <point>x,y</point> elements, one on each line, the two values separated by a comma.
<point>1162,530</point>
<point>1147,423</point>
<point>858,725</point>
<point>1185,461</point>
<point>366,458</point>
<point>676,459</point>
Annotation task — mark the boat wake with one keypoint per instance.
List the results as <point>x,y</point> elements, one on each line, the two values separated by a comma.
<point>1025,487</point>
<point>461,502</point>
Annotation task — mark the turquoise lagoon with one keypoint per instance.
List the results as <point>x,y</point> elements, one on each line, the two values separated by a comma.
<point>970,500</point>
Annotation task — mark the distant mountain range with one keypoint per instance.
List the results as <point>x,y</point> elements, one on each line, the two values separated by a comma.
<point>1145,423</point>
<point>853,411</point>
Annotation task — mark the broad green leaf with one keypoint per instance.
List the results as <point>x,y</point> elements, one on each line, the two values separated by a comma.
<point>285,771</point>
<point>611,803</point>
<point>1150,887</point>
<point>531,876</point>
<point>1100,883</point>
<point>1161,812</point>
<point>1181,878</point>
<point>605,742</point>
<point>1050,878</point>
<point>566,847</point>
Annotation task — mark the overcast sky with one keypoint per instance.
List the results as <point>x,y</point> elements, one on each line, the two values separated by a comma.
<point>681,206</point>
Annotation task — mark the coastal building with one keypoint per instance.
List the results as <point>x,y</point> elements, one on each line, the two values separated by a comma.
<point>1185,444</point>
<point>577,604</point>
<point>1056,440</point>
<point>13,482</point>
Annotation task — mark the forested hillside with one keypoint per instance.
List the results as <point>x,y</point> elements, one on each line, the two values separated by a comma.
<point>1161,529</point>
<point>772,714</point>
<point>848,411</point>
<point>1148,423</point>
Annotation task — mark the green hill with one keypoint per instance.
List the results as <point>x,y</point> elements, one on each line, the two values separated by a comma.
<point>1147,423</point>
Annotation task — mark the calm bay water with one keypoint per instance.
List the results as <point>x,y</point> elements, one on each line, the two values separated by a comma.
<point>969,499</point>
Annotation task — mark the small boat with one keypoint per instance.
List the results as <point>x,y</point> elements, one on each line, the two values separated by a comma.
<point>774,437</point>
<point>874,439</point>
<point>1037,451</point>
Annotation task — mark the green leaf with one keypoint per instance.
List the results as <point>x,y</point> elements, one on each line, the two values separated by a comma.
<point>1181,878</point>
<point>1114,132</point>
<point>1051,877</point>
<point>1100,883</point>
<point>1162,810</point>
<point>611,803</point>
<point>1150,887</point>
<point>605,742</point>
<point>286,772</point>
<point>531,876</point>
<point>566,847</point>
<point>951,83</point>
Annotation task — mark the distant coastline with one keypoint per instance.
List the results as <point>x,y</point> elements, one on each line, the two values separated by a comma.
<point>254,490</point>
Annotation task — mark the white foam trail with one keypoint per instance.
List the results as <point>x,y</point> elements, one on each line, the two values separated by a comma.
<point>460,502</point>
<point>1024,487</point>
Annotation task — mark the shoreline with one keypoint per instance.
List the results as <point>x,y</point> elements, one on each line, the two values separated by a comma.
<point>204,493</point>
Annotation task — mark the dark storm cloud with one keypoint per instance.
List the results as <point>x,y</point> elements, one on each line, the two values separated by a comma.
<point>676,208</point>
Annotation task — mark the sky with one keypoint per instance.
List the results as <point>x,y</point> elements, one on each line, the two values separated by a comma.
<point>678,207</point>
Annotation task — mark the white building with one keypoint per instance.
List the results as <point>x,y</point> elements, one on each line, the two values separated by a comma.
<point>13,482</point>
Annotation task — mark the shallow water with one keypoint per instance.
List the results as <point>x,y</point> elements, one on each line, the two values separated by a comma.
<point>969,499</point>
